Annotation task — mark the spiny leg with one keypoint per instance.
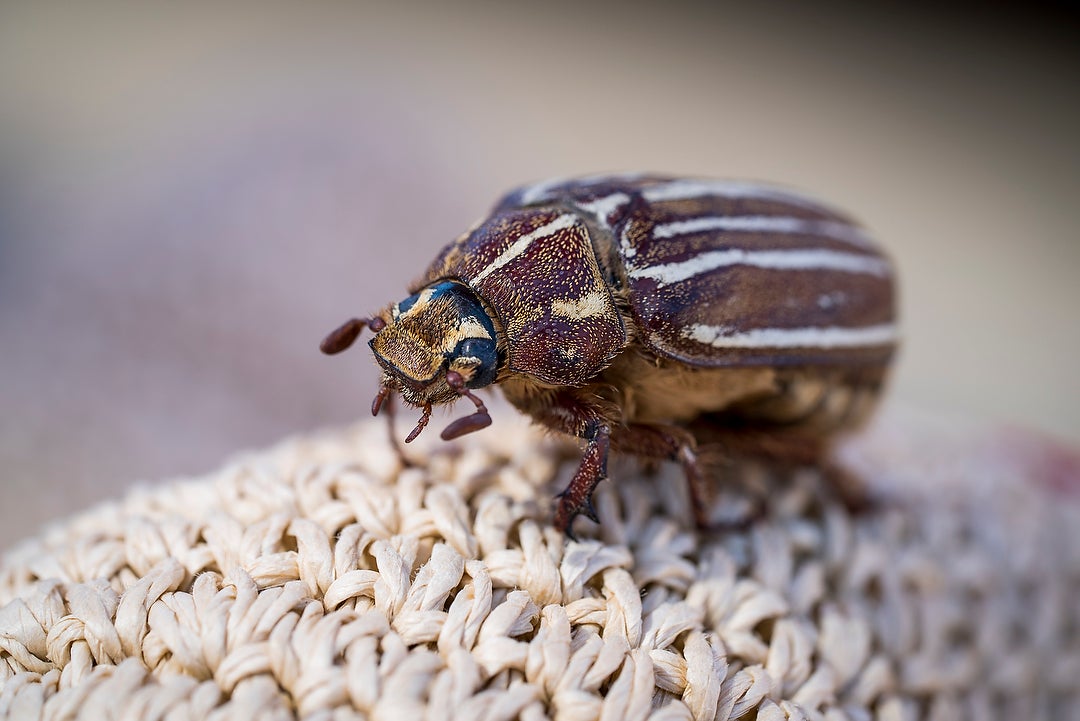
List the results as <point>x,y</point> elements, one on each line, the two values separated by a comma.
<point>577,496</point>
<point>785,446</point>
<point>580,413</point>
<point>668,443</point>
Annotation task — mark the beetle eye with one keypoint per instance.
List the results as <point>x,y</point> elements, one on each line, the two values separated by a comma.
<point>404,306</point>
<point>480,348</point>
<point>483,349</point>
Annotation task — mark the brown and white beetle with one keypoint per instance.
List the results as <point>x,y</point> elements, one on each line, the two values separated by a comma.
<point>648,315</point>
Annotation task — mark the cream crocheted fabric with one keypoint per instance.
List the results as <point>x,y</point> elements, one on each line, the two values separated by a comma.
<point>321,580</point>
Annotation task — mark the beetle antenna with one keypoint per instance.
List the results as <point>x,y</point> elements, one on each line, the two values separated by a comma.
<point>468,424</point>
<point>346,334</point>
<point>420,425</point>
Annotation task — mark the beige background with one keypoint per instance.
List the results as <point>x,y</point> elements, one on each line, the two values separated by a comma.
<point>190,199</point>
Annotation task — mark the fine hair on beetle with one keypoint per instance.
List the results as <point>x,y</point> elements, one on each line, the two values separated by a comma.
<point>649,315</point>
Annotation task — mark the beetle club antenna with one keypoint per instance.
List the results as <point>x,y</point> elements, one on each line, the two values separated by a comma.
<point>468,424</point>
<point>346,334</point>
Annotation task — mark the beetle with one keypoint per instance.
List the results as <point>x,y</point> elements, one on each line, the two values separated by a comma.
<point>650,315</point>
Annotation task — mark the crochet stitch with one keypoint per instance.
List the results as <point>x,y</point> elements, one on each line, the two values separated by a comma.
<point>322,580</point>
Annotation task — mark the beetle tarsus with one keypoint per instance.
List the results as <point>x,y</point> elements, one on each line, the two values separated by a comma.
<point>420,424</point>
<point>469,424</point>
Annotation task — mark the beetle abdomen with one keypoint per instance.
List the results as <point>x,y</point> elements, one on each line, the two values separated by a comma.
<point>722,273</point>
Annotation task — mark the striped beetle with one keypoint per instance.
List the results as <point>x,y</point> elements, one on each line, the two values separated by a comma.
<point>649,315</point>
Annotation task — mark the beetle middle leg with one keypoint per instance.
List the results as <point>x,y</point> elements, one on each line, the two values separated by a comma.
<point>670,443</point>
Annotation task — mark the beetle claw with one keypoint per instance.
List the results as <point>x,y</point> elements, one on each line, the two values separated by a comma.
<point>566,512</point>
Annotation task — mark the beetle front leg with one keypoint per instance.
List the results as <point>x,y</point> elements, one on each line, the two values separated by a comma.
<point>577,497</point>
<point>577,412</point>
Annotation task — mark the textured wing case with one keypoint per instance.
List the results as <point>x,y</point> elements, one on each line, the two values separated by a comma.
<point>537,271</point>
<point>722,273</point>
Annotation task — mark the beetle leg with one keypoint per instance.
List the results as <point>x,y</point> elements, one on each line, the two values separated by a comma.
<point>577,497</point>
<point>346,334</point>
<point>695,484</point>
<point>786,448</point>
<point>776,444</point>
<point>578,412</point>
<point>668,443</point>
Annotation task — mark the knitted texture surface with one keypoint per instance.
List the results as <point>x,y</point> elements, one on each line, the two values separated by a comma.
<point>321,579</point>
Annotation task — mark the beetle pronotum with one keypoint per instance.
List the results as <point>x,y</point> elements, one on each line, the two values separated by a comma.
<point>648,315</point>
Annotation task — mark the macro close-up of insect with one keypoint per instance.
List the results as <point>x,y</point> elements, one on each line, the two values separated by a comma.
<point>707,349</point>
<point>651,316</point>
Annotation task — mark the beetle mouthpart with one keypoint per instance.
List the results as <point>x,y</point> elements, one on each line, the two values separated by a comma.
<point>468,424</point>
<point>346,334</point>
<point>377,403</point>
<point>420,424</point>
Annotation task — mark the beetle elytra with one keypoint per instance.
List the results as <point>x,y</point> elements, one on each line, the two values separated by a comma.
<point>648,315</point>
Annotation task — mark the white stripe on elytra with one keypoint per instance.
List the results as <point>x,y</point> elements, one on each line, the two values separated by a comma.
<point>519,246</point>
<point>764,224</point>
<point>690,189</point>
<point>823,337</point>
<point>772,259</point>
<point>540,191</point>
<point>628,249</point>
<point>603,207</point>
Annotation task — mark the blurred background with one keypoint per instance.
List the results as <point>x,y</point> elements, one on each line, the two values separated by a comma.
<point>190,198</point>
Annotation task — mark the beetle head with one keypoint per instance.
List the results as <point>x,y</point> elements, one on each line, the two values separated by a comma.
<point>436,344</point>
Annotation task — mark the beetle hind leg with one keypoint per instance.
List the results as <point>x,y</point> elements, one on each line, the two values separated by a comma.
<point>783,449</point>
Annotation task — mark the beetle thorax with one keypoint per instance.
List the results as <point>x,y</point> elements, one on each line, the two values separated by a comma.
<point>442,328</point>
